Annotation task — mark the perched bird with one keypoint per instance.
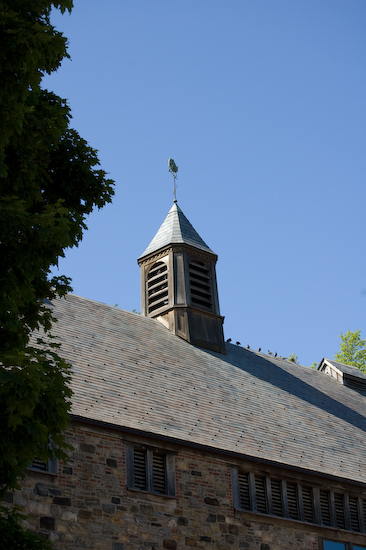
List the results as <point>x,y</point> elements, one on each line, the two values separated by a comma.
<point>238,344</point>
<point>270,353</point>
<point>259,349</point>
<point>248,346</point>
<point>275,354</point>
<point>228,340</point>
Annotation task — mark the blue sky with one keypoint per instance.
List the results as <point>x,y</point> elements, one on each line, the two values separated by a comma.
<point>262,106</point>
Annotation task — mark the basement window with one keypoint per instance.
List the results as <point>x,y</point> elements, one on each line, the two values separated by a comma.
<point>200,283</point>
<point>150,470</point>
<point>157,286</point>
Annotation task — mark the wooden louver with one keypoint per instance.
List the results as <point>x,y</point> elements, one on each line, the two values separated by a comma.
<point>276,497</point>
<point>157,286</point>
<point>38,464</point>
<point>353,509</point>
<point>139,469</point>
<point>244,491</point>
<point>200,282</point>
<point>293,507</point>
<point>339,509</point>
<point>260,489</point>
<point>159,481</point>
<point>307,498</point>
<point>325,507</point>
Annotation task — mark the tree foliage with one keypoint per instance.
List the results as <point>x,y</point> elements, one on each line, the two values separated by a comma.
<point>353,350</point>
<point>49,183</point>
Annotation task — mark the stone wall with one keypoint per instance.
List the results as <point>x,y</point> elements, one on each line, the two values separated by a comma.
<point>88,504</point>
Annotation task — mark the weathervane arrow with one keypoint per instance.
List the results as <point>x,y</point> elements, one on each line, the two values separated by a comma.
<point>173,169</point>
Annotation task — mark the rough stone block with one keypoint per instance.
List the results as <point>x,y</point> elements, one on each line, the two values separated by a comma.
<point>41,489</point>
<point>169,544</point>
<point>211,501</point>
<point>86,448</point>
<point>62,501</point>
<point>85,514</point>
<point>108,508</point>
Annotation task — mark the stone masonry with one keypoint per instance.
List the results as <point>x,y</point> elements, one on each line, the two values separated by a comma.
<point>88,504</point>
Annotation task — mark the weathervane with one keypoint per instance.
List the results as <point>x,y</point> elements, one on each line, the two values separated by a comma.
<point>173,169</point>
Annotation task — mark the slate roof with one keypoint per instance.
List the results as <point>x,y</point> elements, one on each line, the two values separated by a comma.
<point>176,229</point>
<point>132,372</point>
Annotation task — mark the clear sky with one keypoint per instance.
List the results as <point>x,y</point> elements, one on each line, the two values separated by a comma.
<point>262,104</point>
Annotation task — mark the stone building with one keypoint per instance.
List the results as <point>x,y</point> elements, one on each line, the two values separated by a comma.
<point>184,440</point>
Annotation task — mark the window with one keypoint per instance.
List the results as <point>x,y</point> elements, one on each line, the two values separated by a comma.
<point>150,470</point>
<point>334,545</point>
<point>262,494</point>
<point>50,466</point>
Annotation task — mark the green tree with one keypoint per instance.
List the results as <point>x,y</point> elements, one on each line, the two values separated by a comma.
<point>353,350</point>
<point>49,183</point>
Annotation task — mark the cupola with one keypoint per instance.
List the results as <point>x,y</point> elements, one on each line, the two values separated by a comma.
<point>178,283</point>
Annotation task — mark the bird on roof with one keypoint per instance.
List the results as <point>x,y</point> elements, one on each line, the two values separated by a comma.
<point>248,346</point>
<point>238,343</point>
<point>228,340</point>
<point>270,353</point>
<point>259,349</point>
<point>275,354</point>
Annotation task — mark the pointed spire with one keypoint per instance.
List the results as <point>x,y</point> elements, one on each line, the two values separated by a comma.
<point>176,229</point>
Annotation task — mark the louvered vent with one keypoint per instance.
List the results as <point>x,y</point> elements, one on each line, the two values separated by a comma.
<point>339,508</point>
<point>157,286</point>
<point>307,499</point>
<point>139,469</point>
<point>159,482</point>
<point>276,497</point>
<point>353,508</point>
<point>293,507</point>
<point>38,464</point>
<point>359,386</point>
<point>260,491</point>
<point>200,282</point>
<point>325,507</point>
<point>244,491</point>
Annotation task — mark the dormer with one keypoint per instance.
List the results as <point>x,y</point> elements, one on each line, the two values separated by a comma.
<point>178,283</point>
<point>347,375</point>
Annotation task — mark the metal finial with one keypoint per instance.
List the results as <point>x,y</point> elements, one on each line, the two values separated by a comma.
<point>173,169</point>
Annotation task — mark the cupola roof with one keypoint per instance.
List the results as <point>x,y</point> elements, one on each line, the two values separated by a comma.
<point>176,229</point>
